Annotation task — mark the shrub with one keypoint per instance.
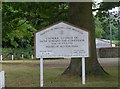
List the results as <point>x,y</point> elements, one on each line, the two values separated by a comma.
<point>27,52</point>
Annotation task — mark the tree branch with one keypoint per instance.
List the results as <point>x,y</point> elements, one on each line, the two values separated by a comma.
<point>21,24</point>
<point>100,9</point>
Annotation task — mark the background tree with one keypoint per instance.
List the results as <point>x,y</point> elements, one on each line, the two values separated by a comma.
<point>102,28</point>
<point>21,20</point>
<point>16,29</point>
<point>81,15</point>
<point>109,19</point>
<point>26,18</point>
<point>98,28</point>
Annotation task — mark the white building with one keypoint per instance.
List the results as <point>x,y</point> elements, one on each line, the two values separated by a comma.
<point>103,43</point>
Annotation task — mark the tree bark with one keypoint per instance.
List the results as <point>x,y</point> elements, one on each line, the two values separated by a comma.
<point>81,16</point>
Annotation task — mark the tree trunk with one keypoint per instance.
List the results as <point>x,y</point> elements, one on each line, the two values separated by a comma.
<point>81,15</point>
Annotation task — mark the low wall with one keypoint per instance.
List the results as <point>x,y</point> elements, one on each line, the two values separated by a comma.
<point>108,52</point>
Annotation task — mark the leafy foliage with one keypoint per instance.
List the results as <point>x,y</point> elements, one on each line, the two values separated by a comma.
<point>98,28</point>
<point>107,20</point>
<point>21,20</point>
<point>27,53</point>
<point>103,28</point>
<point>116,42</point>
<point>15,28</point>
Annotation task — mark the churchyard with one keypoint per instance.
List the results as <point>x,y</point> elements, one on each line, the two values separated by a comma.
<point>36,36</point>
<point>25,73</point>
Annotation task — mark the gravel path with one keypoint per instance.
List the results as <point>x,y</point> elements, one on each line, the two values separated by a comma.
<point>65,63</point>
<point>102,61</point>
<point>109,61</point>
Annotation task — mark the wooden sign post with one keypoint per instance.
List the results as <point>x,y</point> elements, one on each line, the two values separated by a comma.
<point>61,40</point>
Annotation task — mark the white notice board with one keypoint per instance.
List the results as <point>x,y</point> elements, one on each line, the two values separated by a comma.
<point>61,40</point>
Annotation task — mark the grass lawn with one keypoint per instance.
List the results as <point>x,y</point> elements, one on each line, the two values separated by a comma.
<point>26,74</point>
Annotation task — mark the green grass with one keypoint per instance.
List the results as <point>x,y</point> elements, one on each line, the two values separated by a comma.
<point>26,74</point>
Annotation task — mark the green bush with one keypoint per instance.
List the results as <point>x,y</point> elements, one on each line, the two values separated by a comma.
<point>116,42</point>
<point>27,52</point>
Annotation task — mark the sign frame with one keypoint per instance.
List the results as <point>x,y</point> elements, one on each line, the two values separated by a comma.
<point>83,57</point>
<point>67,24</point>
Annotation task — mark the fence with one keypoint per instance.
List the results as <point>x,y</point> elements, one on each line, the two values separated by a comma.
<point>28,53</point>
<point>8,56</point>
<point>12,54</point>
<point>2,80</point>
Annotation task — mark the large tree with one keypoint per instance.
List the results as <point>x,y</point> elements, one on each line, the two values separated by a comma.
<point>81,15</point>
<point>22,17</point>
